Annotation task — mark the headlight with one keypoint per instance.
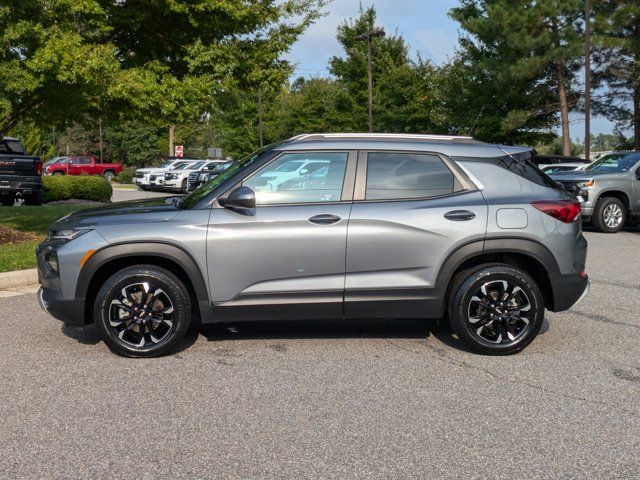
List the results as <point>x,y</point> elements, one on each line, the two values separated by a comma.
<point>204,177</point>
<point>52,260</point>
<point>586,184</point>
<point>66,233</point>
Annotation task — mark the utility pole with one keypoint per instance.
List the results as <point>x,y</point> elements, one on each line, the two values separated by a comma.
<point>260,125</point>
<point>171,129</point>
<point>587,80</point>
<point>368,36</point>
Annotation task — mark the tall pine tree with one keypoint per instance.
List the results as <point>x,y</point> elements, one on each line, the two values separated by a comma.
<point>521,58</point>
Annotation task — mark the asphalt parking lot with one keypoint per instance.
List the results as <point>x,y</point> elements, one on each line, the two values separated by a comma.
<point>383,399</point>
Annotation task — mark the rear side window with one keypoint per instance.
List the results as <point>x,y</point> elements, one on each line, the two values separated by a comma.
<point>407,175</point>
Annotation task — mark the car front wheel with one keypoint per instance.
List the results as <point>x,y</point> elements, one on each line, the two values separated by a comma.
<point>609,215</point>
<point>496,310</point>
<point>142,311</point>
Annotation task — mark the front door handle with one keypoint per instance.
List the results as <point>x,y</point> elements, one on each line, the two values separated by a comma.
<point>460,215</point>
<point>324,219</point>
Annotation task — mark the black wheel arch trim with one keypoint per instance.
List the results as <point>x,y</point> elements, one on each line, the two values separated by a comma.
<point>521,246</point>
<point>164,250</point>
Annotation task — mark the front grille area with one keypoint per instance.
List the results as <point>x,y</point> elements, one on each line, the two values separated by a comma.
<point>139,174</point>
<point>152,178</point>
<point>571,187</point>
<point>193,176</point>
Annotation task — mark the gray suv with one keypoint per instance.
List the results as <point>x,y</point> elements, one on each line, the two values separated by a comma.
<point>412,226</point>
<point>608,189</point>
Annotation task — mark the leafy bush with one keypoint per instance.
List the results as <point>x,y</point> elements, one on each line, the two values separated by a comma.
<point>125,177</point>
<point>65,187</point>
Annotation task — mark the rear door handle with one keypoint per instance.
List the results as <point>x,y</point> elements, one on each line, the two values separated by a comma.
<point>324,219</point>
<point>460,215</point>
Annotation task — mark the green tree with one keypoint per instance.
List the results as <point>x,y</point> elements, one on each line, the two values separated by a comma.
<point>617,40</point>
<point>519,59</point>
<point>404,98</point>
<point>162,60</point>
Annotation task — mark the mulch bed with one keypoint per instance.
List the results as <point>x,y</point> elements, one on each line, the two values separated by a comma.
<point>11,235</point>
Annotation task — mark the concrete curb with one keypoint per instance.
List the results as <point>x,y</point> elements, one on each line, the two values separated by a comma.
<point>18,278</point>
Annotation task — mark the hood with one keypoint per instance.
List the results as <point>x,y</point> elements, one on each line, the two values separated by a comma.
<point>153,170</point>
<point>138,211</point>
<point>578,175</point>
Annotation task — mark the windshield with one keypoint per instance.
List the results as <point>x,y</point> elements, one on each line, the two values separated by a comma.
<point>615,162</point>
<point>206,188</point>
<point>185,166</point>
<point>290,166</point>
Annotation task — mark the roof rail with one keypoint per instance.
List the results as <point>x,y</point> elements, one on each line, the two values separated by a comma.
<point>382,136</point>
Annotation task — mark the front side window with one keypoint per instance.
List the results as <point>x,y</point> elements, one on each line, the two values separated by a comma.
<point>407,175</point>
<point>318,177</point>
<point>85,160</point>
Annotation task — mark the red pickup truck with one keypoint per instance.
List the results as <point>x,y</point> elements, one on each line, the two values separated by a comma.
<point>83,165</point>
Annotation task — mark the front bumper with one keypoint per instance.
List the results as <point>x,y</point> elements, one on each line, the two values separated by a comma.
<point>68,311</point>
<point>568,290</point>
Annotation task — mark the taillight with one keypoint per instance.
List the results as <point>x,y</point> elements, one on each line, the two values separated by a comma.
<point>39,168</point>
<point>566,211</point>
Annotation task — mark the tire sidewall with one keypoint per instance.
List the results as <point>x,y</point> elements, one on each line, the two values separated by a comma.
<point>174,289</point>
<point>460,304</point>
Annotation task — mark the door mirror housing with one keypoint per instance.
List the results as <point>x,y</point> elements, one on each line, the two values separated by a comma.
<point>241,200</point>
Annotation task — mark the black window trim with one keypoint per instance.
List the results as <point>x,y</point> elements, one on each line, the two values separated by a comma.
<point>459,176</point>
<point>347,184</point>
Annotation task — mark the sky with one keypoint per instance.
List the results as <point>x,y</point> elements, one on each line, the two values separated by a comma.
<point>425,26</point>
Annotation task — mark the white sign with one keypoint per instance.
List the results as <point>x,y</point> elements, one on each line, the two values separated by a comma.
<point>178,151</point>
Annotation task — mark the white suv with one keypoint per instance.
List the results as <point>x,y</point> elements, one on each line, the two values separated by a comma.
<point>177,178</point>
<point>143,176</point>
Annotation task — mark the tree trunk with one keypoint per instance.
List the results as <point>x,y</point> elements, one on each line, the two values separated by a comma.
<point>564,110</point>
<point>636,117</point>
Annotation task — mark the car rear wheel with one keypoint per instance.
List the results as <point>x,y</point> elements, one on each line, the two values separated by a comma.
<point>55,174</point>
<point>609,215</point>
<point>496,310</point>
<point>142,311</point>
<point>108,175</point>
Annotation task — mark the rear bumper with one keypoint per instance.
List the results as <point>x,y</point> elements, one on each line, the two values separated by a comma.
<point>22,186</point>
<point>67,311</point>
<point>568,290</point>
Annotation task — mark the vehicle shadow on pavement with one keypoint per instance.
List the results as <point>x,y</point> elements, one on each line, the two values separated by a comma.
<point>85,335</point>
<point>307,329</point>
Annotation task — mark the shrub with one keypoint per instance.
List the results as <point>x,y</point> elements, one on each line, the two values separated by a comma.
<point>65,187</point>
<point>125,177</point>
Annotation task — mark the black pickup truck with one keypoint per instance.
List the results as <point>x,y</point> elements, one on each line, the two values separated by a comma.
<point>19,174</point>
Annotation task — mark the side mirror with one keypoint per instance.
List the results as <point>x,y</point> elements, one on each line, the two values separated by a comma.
<point>241,200</point>
<point>638,174</point>
<point>304,171</point>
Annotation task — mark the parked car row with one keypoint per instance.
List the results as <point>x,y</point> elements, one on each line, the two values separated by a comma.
<point>174,175</point>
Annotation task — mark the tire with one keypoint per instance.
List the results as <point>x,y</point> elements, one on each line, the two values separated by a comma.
<point>33,200</point>
<point>183,188</point>
<point>55,174</point>
<point>154,334</point>
<point>7,200</point>
<point>108,175</point>
<point>609,215</point>
<point>481,322</point>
